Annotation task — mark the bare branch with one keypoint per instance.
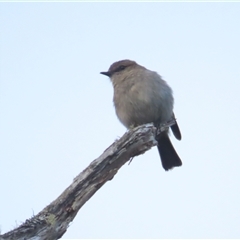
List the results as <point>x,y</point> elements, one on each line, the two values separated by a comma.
<point>52,222</point>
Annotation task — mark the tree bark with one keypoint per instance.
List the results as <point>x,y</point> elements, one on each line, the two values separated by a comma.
<point>52,222</point>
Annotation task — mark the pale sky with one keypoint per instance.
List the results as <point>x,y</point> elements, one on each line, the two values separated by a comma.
<point>57,115</point>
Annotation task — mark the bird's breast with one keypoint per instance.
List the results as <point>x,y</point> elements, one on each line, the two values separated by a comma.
<point>142,102</point>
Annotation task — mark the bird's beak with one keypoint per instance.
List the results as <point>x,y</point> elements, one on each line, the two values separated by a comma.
<point>106,73</point>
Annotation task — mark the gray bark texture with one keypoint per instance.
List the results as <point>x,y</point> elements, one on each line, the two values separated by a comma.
<point>52,222</point>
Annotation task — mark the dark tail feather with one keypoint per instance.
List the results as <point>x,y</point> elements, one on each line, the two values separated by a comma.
<point>168,155</point>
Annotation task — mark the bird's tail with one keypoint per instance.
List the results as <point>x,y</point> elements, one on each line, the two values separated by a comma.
<point>169,156</point>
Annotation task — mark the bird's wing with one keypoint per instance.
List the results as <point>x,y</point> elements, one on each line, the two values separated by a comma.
<point>176,131</point>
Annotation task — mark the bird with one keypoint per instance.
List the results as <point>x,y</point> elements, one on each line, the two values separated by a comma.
<point>141,96</point>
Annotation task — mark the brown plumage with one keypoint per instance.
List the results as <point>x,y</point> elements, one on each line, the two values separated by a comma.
<point>141,96</point>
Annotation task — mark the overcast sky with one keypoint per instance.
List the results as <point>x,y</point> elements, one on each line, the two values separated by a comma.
<point>57,115</point>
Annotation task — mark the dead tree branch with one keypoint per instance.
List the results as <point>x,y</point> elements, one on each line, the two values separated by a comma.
<point>52,222</point>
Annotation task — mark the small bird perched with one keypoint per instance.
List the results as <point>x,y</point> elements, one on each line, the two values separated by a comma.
<point>141,96</point>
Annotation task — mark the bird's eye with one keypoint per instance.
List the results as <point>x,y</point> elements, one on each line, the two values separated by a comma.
<point>121,68</point>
